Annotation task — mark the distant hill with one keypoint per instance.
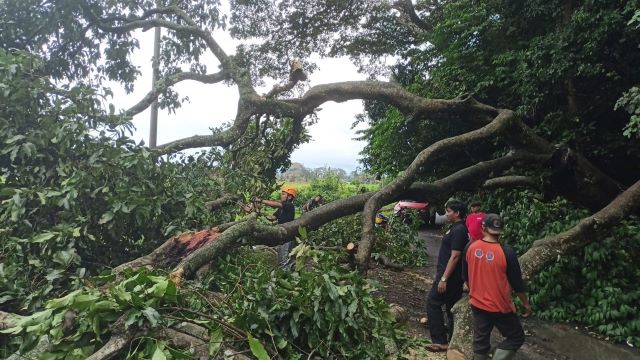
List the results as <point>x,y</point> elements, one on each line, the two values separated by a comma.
<point>297,172</point>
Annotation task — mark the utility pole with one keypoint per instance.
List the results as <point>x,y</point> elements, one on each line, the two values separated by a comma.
<point>153,128</point>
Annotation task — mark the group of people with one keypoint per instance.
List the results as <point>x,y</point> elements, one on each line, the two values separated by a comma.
<point>471,252</point>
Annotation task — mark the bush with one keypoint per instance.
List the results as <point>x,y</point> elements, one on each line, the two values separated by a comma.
<point>319,309</point>
<point>75,188</point>
<point>401,243</point>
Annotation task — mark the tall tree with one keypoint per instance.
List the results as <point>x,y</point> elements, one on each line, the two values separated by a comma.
<point>80,43</point>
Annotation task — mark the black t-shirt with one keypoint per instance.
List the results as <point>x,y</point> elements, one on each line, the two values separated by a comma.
<point>455,239</point>
<point>286,213</point>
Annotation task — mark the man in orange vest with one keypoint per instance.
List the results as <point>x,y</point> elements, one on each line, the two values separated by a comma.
<point>493,272</point>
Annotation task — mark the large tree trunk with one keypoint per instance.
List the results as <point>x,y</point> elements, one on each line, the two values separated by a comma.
<point>543,253</point>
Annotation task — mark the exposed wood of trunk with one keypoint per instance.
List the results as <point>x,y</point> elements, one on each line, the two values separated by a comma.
<point>6,320</point>
<point>544,252</point>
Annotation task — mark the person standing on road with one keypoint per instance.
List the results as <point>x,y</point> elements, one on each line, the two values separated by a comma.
<point>474,221</point>
<point>285,212</point>
<point>447,286</point>
<point>493,272</point>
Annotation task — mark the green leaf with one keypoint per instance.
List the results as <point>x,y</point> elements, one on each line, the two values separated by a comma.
<point>160,288</point>
<point>152,315</point>
<point>257,349</point>
<point>15,138</point>
<point>106,217</point>
<point>40,238</point>
<point>63,301</point>
<point>66,257</point>
<point>215,341</point>
<point>158,354</point>
<point>303,232</point>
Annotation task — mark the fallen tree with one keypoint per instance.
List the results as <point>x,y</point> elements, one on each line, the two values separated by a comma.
<point>278,112</point>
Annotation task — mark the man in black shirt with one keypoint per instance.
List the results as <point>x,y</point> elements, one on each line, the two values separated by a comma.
<point>285,212</point>
<point>447,286</point>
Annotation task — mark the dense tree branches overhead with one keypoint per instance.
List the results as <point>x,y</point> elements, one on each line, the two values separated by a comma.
<point>298,30</point>
<point>73,189</point>
<point>561,65</point>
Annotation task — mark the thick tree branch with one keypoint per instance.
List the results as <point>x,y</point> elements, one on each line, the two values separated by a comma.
<point>162,85</point>
<point>225,242</point>
<point>585,179</point>
<point>409,9</point>
<point>473,176</point>
<point>504,119</point>
<point>113,347</point>
<point>222,138</point>
<point>547,250</point>
<point>512,181</point>
<point>465,179</point>
<point>389,93</point>
<point>224,200</point>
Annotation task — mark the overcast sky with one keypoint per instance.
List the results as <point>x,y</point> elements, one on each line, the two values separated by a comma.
<point>332,141</point>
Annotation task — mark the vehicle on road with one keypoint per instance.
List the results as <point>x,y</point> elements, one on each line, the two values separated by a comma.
<point>405,208</point>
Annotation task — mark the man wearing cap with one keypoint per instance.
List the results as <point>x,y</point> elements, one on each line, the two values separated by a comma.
<point>474,221</point>
<point>285,212</point>
<point>447,287</point>
<point>493,272</point>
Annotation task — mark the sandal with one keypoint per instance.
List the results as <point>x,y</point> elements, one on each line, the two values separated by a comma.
<point>437,348</point>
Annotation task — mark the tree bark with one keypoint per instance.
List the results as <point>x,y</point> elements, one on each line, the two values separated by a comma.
<point>512,181</point>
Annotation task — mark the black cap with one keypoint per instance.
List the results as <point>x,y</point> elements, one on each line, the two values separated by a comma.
<point>493,224</point>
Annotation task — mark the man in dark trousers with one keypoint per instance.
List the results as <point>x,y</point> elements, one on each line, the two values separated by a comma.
<point>447,286</point>
<point>285,212</point>
<point>493,273</point>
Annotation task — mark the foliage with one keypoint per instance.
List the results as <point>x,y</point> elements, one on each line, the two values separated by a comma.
<point>561,65</point>
<point>630,102</point>
<point>400,244</point>
<point>595,285</point>
<point>75,187</point>
<point>393,141</point>
<point>134,301</point>
<point>57,33</point>
<point>319,309</point>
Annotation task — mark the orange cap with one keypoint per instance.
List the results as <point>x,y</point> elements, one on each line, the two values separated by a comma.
<point>289,190</point>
